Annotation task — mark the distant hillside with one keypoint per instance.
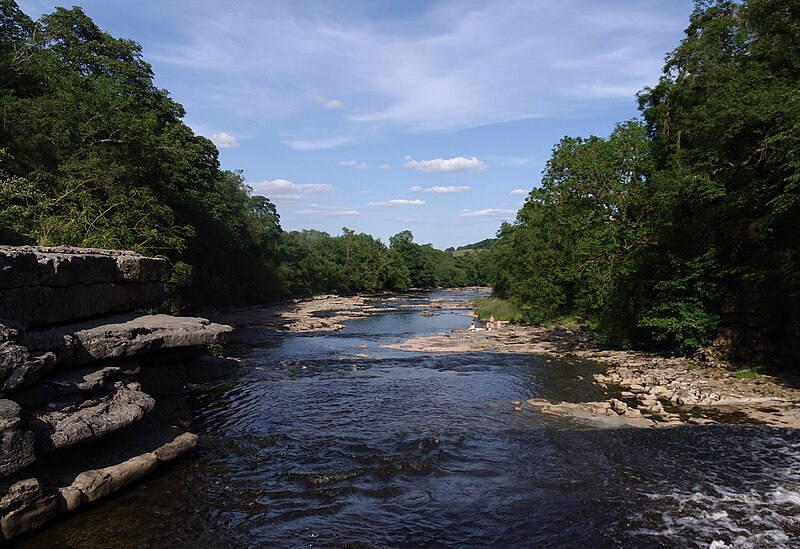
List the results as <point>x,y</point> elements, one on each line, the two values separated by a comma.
<point>471,248</point>
<point>482,245</point>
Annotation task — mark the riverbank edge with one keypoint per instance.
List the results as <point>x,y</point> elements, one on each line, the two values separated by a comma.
<point>643,389</point>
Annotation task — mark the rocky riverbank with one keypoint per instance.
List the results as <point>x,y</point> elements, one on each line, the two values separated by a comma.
<point>641,389</point>
<point>90,390</point>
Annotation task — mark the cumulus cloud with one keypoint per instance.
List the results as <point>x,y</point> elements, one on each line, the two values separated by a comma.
<point>442,165</point>
<point>328,103</point>
<point>355,164</point>
<point>440,190</point>
<point>318,144</point>
<point>519,192</point>
<point>447,190</point>
<point>488,212</point>
<point>399,202</point>
<point>224,140</point>
<point>283,189</point>
<point>328,211</point>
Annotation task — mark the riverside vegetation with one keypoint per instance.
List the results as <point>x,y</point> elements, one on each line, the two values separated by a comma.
<point>92,154</point>
<point>664,233</point>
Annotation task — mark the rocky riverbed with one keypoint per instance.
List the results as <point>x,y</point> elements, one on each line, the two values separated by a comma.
<point>643,389</point>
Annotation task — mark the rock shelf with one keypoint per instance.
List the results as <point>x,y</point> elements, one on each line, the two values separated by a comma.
<point>88,398</point>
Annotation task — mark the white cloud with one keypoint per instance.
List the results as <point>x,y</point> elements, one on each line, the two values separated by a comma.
<point>440,165</point>
<point>328,211</point>
<point>455,65</point>
<point>447,190</point>
<point>519,192</point>
<point>355,164</point>
<point>488,212</point>
<point>399,202</point>
<point>385,167</point>
<point>318,144</point>
<point>224,140</point>
<point>316,187</point>
<point>416,189</point>
<point>283,189</point>
<point>328,103</point>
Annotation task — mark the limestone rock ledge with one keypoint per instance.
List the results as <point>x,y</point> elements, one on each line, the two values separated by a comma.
<point>122,336</point>
<point>40,286</point>
<point>29,503</point>
<point>91,395</point>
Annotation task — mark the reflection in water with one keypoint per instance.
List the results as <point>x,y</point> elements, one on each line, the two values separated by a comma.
<point>313,445</point>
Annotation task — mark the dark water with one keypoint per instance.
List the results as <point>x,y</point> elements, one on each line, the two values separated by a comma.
<point>310,445</point>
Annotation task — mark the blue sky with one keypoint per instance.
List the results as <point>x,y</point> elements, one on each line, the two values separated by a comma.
<point>432,116</point>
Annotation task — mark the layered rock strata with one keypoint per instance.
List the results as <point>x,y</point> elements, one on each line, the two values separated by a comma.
<point>90,393</point>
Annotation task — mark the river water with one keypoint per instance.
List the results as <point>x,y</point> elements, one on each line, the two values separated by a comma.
<point>311,445</point>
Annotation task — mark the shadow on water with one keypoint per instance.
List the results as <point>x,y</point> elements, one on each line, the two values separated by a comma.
<point>331,441</point>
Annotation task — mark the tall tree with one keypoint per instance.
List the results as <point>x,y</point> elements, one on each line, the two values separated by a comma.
<point>725,122</point>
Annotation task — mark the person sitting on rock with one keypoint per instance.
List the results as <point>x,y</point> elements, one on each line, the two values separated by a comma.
<point>472,326</point>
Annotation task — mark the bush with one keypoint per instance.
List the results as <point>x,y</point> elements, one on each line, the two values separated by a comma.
<point>501,309</point>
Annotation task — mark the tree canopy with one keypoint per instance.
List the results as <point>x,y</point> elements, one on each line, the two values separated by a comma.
<point>658,230</point>
<point>92,153</point>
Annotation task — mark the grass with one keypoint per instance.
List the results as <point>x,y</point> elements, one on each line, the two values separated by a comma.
<point>499,308</point>
<point>747,373</point>
<point>460,253</point>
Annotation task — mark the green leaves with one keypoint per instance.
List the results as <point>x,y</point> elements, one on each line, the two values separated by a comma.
<point>561,254</point>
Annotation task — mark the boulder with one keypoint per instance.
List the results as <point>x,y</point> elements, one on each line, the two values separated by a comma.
<point>25,507</point>
<point>24,372</point>
<point>16,443</point>
<point>54,387</point>
<point>88,420</point>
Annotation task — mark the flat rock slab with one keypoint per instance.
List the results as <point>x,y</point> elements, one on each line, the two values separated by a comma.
<point>123,336</point>
<point>89,420</point>
<point>69,382</point>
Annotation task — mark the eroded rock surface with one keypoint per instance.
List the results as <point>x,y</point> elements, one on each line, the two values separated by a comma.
<point>123,336</point>
<point>75,423</point>
<point>40,286</point>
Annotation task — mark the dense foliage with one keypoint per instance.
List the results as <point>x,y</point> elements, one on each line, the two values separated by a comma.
<point>659,229</point>
<point>93,154</point>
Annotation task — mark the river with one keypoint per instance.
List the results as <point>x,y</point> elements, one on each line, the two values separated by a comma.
<point>328,440</point>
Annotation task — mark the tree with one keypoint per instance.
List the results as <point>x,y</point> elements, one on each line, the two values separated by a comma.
<point>562,253</point>
<point>725,124</point>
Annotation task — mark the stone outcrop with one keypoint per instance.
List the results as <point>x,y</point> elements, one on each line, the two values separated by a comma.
<point>82,378</point>
<point>41,286</point>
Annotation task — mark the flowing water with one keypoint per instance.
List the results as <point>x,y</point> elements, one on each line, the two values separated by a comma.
<point>312,445</point>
